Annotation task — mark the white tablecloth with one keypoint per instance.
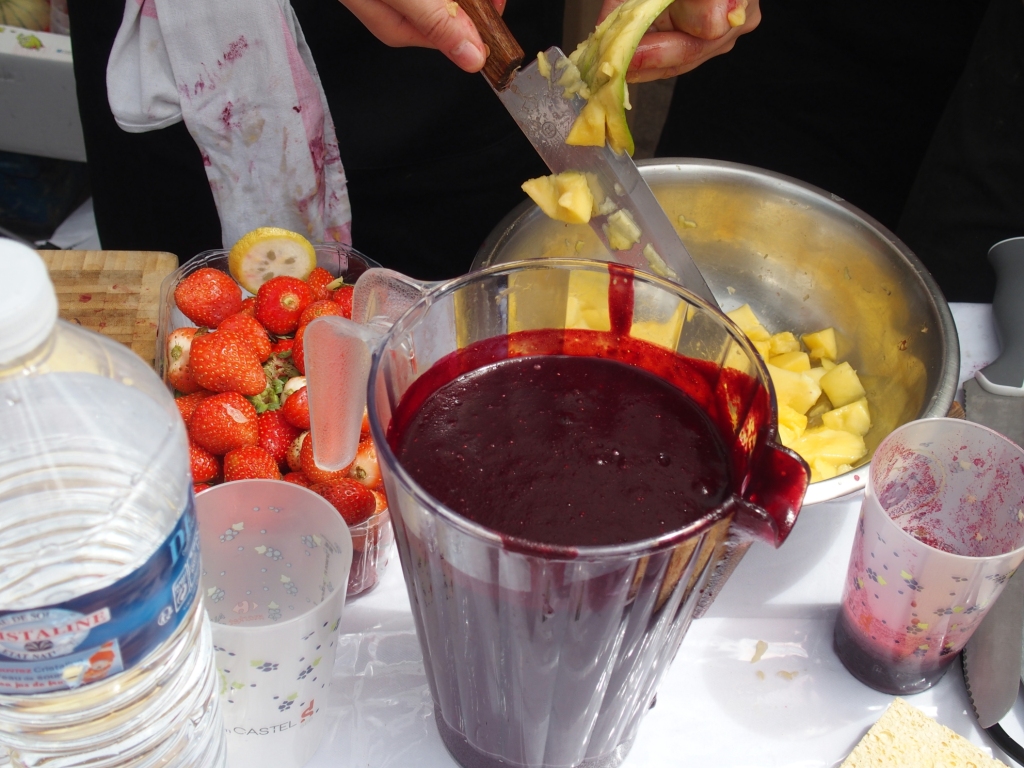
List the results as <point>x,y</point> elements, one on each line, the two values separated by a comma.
<point>796,707</point>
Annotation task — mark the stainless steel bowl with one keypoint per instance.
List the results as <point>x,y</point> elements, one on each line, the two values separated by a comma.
<point>804,260</point>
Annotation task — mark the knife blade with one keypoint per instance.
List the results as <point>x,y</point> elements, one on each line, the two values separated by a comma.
<point>545,113</point>
<point>992,658</point>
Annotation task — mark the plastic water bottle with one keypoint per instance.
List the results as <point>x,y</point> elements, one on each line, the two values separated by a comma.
<point>106,656</point>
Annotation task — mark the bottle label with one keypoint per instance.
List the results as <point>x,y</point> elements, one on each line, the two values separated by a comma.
<point>97,635</point>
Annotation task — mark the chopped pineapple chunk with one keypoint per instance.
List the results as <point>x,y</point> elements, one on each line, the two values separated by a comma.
<point>784,342</point>
<point>853,417</point>
<point>797,390</point>
<point>822,410</point>
<point>821,344</point>
<point>792,361</point>
<point>832,445</point>
<point>842,385</point>
<point>562,196</point>
<point>822,470</point>
<point>817,372</point>
<point>792,419</point>
<point>744,317</point>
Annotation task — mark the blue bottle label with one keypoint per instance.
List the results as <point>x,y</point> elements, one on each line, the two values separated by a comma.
<point>97,635</point>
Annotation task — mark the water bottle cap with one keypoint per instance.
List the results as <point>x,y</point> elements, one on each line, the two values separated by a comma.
<point>28,310</point>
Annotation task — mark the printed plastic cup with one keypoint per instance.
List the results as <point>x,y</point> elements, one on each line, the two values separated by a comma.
<point>941,530</point>
<point>276,561</point>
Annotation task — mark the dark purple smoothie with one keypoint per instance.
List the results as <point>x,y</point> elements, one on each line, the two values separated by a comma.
<point>567,450</point>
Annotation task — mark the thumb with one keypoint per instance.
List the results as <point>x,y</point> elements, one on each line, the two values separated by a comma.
<point>446,27</point>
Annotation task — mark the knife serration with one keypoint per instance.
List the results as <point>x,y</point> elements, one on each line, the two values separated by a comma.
<point>992,657</point>
<point>545,112</point>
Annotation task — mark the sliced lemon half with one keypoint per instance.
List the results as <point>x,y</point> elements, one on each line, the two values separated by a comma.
<point>270,252</point>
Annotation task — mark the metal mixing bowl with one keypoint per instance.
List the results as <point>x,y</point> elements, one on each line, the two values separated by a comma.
<point>804,260</point>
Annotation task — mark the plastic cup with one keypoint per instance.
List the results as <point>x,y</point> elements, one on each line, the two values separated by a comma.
<point>276,561</point>
<point>941,530</point>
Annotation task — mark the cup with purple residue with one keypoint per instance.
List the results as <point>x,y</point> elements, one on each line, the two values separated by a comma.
<point>940,532</point>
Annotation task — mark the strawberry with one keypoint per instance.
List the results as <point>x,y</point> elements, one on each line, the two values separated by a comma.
<point>179,374</point>
<point>248,306</point>
<point>364,428</point>
<point>249,328</point>
<point>250,462</point>
<point>295,408</point>
<point>318,309</point>
<point>280,302</point>
<point>365,469</point>
<point>223,422</point>
<point>198,488</point>
<point>187,403</point>
<point>298,478</point>
<point>207,296</point>
<point>280,367</point>
<point>316,473</point>
<point>223,362</point>
<point>343,297</point>
<point>276,435</point>
<point>318,281</point>
<point>204,465</point>
<point>298,357</point>
<point>353,501</point>
<point>281,346</point>
<point>381,498</point>
<point>294,455</point>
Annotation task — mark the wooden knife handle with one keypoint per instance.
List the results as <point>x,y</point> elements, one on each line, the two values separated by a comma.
<point>506,55</point>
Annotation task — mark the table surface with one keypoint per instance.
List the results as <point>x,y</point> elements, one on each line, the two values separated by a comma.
<point>796,707</point>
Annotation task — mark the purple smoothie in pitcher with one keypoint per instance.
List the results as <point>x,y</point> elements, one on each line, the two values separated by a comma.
<point>561,498</point>
<point>553,453</point>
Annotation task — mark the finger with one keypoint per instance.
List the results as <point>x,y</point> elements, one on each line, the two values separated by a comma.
<point>439,24</point>
<point>667,54</point>
<point>707,19</point>
<point>607,7</point>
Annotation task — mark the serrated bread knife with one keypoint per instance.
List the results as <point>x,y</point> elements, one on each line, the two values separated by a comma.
<point>992,658</point>
<point>545,114</point>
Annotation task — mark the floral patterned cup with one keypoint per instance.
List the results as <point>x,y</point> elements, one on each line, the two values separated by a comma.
<point>276,561</point>
<point>941,530</point>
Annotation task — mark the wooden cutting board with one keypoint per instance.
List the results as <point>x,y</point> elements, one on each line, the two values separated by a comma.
<point>116,293</point>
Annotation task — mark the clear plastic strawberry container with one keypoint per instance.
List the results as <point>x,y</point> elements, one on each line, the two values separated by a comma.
<point>371,550</point>
<point>373,538</point>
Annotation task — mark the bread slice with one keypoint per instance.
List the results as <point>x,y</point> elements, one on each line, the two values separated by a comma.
<point>905,737</point>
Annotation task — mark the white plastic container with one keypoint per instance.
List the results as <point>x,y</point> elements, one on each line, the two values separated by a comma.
<point>106,657</point>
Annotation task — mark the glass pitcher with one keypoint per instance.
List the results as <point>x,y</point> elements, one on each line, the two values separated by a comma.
<point>540,654</point>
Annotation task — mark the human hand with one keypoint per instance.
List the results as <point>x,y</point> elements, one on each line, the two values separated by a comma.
<point>439,24</point>
<point>689,33</point>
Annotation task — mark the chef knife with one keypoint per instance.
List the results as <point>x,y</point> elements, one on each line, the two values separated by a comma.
<point>545,114</point>
<point>992,658</point>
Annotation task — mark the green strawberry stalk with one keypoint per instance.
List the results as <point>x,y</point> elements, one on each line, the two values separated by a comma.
<point>602,60</point>
<point>270,398</point>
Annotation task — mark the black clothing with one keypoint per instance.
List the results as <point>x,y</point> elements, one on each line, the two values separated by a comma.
<point>844,95</point>
<point>149,190</point>
<point>969,192</point>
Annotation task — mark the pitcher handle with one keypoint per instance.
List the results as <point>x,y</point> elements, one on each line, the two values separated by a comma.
<point>338,353</point>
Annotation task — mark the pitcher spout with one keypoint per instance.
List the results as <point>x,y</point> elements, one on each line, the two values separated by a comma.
<point>775,492</point>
